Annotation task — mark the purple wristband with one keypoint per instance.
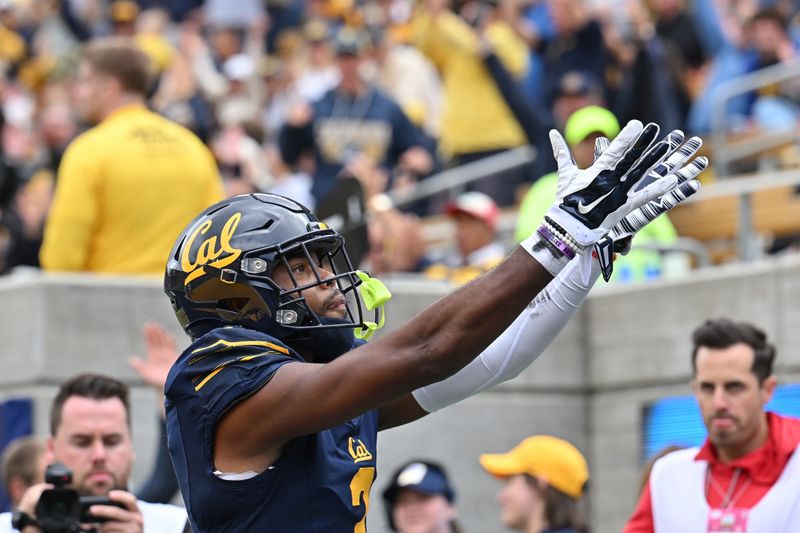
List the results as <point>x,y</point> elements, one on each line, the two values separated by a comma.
<point>562,246</point>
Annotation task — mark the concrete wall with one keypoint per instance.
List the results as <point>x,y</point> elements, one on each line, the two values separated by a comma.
<point>626,347</point>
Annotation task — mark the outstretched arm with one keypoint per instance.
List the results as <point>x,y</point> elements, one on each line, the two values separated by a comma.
<point>304,398</point>
<point>527,337</point>
<point>511,353</point>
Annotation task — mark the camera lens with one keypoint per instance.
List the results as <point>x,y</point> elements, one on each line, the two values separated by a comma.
<point>58,509</point>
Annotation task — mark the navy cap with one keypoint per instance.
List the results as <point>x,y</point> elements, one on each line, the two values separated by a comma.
<point>350,42</point>
<point>419,476</point>
<point>577,83</point>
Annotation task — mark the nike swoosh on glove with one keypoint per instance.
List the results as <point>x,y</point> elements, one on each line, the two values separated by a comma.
<point>620,237</point>
<point>592,201</point>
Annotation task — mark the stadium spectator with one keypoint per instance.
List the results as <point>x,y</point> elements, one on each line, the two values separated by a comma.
<point>58,129</point>
<point>475,216</point>
<point>420,499</point>
<point>90,434</point>
<point>396,242</point>
<point>354,118</point>
<point>423,91</point>
<point>319,72</point>
<point>178,99</point>
<point>576,46</point>
<point>22,464</point>
<point>123,15</point>
<point>637,78</point>
<point>470,132</point>
<point>235,16</point>
<point>241,160</point>
<point>151,36</point>
<point>278,97</point>
<point>24,220</point>
<point>575,91</point>
<point>532,116</point>
<point>178,10</point>
<point>544,481</point>
<point>745,476</point>
<point>161,353</point>
<point>224,66</point>
<point>126,186</point>
<point>687,57</point>
<point>776,106</point>
<point>722,29</point>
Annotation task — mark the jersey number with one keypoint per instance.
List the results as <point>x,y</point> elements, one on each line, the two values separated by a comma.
<point>361,484</point>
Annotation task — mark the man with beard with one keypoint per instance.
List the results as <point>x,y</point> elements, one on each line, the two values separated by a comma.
<point>91,435</point>
<point>746,476</point>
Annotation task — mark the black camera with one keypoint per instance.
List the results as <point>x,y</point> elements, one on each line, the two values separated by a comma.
<point>61,509</point>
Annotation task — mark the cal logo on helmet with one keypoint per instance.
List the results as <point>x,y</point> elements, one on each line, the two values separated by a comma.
<point>219,272</point>
<point>214,249</point>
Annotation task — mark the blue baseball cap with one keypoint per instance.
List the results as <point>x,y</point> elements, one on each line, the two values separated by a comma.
<point>350,42</point>
<point>420,476</point>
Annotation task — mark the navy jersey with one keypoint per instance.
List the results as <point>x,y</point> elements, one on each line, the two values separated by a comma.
<point>372,124</point>
<point>320,483</point>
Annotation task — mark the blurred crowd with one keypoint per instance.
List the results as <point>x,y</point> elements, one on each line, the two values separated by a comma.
<point>291,96</point>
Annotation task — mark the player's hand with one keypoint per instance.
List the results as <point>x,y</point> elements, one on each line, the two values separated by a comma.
<point>620,237</point>
<point>161,355</point>
<point>592,201</point>
<point>687,186</point>
<point>127,520</point>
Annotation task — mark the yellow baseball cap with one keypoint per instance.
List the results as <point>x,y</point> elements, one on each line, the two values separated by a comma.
<point>157,48</point>
<point>123,11</point>
<point>588,120</point>
<point>542,456</point>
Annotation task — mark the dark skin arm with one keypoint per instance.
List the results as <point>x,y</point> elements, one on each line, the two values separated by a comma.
<point>303,398</point>
<point>401,412</point>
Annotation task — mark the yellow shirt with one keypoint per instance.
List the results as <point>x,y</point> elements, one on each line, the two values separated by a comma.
<point>126,188</point>
<point>476,117</point>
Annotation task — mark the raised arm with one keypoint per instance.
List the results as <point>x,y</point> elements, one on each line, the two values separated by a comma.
<point>541,321</point>
<point>303,398</point>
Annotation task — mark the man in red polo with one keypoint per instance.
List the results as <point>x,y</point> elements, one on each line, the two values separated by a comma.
<point>746,476</point>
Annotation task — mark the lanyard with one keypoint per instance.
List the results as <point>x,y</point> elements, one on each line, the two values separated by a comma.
<point>728,499</point>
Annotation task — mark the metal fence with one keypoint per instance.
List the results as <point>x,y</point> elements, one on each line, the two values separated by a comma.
<point>727,151</point>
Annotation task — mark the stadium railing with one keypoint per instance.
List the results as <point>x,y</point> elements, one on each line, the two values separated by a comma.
<point>729,148</point>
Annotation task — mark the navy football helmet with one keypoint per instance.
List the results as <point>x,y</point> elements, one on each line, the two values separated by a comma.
<point>219,271</point>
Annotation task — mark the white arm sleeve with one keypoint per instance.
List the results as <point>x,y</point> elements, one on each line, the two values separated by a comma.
<point>519,345</point>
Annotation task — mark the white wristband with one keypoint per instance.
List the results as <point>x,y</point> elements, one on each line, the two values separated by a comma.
<point>550,258</point>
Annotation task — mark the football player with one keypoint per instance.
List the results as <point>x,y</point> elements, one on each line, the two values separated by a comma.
<point>273,410</point>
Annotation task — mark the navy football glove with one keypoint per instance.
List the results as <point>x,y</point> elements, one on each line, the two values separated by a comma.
<point>590,202</point>
<point>620,237</point>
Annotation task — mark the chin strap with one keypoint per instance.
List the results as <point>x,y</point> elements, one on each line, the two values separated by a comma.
<point>375,295</point>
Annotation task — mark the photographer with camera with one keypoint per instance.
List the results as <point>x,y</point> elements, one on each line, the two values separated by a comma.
<point>86,488</point>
